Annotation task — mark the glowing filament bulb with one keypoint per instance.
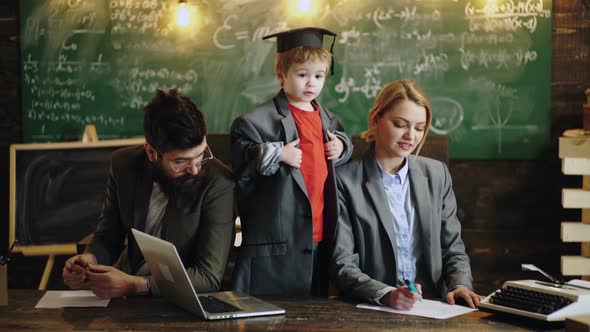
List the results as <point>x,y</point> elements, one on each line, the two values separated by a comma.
<point>305,6</point>
<point>182,14</point>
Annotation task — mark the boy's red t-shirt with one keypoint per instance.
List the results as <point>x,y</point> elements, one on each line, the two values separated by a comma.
<point>313,166</point>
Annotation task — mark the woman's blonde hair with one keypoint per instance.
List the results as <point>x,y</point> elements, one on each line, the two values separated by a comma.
<point>388,97</point>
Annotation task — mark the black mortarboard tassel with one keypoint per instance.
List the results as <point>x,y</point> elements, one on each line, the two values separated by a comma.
<point>310,37</point>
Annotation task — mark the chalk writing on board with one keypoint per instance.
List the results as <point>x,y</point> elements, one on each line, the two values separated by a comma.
<point>378,16</point>
<point>371,85</point>
<point>498,112</point>
<point>68,117</point>
<point>500,58</point>
<point>225,37</point>
<point>140,81</point>
<point>139,17</point>
<point>74,93</point>
<point>469,38</point>
<point>505,16</point>
<point>448,116</point>
<point>86,59</point>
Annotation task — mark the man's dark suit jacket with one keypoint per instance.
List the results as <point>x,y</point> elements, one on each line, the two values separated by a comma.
<point>201,232</point>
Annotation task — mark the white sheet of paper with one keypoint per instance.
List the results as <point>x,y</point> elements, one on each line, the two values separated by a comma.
<point>578,282</point>
<point>425,308</point>
<point>72,298</point>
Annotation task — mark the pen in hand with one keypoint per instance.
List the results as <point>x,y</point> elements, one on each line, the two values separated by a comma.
<point>412,287</point>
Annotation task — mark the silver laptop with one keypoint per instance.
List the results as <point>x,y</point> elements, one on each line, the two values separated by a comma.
<point>175,286</point>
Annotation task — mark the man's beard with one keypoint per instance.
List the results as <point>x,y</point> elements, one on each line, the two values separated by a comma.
<point>182,190</point>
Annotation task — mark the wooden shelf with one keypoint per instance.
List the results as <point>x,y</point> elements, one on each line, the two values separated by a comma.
<point>575,152</point>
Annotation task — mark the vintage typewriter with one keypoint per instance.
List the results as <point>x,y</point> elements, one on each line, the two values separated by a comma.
<point>546,301</point>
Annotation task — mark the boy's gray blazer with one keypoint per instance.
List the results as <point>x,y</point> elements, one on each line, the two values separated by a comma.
<point>277,236</point>
<point>363,261</point>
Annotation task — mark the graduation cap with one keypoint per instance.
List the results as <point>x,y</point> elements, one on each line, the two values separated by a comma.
<point>310,37</point>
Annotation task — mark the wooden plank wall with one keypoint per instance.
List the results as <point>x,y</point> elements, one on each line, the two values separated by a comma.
<point>10,131</point>
<point>510,210</point>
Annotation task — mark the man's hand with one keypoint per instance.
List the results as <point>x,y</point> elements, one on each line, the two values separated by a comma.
<point>462,292</point>
<point>402,298</point>
<point>74,271</point>
<point>292,155</point>
<point>334,147</point>
<point>108,282</point>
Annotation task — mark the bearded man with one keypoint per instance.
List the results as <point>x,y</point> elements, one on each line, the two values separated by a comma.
<point>172,188</point>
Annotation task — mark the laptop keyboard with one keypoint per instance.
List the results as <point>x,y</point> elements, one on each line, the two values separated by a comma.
<point>215,306</point>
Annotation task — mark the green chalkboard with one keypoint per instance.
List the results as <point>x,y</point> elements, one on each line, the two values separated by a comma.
<point>485,64</point>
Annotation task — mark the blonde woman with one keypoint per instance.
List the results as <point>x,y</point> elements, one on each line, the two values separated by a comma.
<point>397,224</point>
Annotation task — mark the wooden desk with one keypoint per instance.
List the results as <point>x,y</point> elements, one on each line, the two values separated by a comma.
<point>155,314</point>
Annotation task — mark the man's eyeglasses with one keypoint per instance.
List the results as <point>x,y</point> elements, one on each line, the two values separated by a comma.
<point>182,164</point>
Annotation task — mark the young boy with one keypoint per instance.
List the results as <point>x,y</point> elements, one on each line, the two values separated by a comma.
<point>283,154</point>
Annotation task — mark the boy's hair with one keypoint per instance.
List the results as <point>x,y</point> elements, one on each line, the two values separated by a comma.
<point>301,54</point>
<point>173,122</point>
<point>389,96</point>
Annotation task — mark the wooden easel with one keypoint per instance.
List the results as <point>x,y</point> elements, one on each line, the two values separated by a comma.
<point>52,250</point>
<point>89,141</point>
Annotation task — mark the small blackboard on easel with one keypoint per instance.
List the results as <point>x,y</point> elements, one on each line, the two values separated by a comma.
<point>56,193</point>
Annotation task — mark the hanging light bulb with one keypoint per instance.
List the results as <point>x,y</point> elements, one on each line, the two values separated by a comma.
<point>305,6</point>
<point>182,13</point>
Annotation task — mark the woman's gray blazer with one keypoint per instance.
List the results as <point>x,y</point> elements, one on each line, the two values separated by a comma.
<point>363,260</point>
